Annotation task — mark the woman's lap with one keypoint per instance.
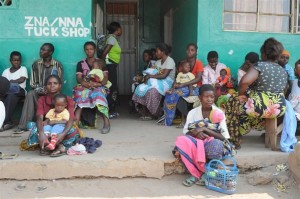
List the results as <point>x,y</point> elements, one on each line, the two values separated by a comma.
<point>172,100</point>
<point>86,98</point>
<point>241,117</point>
<point>69,140</point>
<point>151,100</point>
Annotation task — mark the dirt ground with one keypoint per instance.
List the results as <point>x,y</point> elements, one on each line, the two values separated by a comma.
<point>168,187</point>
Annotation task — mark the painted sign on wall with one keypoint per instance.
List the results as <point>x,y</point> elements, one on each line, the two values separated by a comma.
<point>38,26</point>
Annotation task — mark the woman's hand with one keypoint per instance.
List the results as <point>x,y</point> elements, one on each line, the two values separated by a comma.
<point>242,98</point>
<point>170,91</point>
<point>146,78</point>
<point>199,133</point>
<point>177,85</point>
<point>60,138</point>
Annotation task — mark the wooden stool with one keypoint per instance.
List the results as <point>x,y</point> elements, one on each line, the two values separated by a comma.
<point>272,130</point>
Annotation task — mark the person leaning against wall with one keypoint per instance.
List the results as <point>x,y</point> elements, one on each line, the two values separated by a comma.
<point>112,57</point>
<point>40,71</point>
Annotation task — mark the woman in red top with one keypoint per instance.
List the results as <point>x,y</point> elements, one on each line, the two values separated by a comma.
<point>175,99</point>
<point>45,103</point>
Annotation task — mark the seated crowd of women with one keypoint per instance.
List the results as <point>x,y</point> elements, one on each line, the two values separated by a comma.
<point>57,116</point>
<point>261,91</point>
<point>163,91</point>
<point>263,85</point>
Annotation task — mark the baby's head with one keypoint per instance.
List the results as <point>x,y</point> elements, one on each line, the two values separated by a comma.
<point>147,56</point>
<point>216,116</point>
<point>186,67</point>
<point>99,64</point>
<point>223,72</point>
<point>60,102</point>
<point>297,68</point>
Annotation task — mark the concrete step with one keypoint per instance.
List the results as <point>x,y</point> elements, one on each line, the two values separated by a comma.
<point>133,148</point>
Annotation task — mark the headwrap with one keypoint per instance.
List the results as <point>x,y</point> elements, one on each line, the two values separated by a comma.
<point>4,86</point>
<point>285,52</point>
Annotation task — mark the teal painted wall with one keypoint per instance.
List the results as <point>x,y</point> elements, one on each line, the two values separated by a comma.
<point>150,27</point>
<point>212,37</point>
<point>184,27</point>
<point>68,38</point>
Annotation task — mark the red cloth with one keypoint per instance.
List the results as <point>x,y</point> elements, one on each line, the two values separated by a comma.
<point>224,81</point>
<point>45,104</point>
<point>198,67</point>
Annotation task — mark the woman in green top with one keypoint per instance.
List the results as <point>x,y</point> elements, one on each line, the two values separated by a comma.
<point>112,56</point>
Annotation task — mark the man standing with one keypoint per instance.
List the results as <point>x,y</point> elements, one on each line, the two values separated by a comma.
<point>40,71</point>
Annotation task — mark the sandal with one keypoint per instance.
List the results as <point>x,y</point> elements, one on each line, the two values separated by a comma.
<point>201,181</point>
<point>105,130</point>
<point>44,152</point>
<point>8,156</point>
<point>145,118</point>
<point>190,181</point>
<point>60,151</point>
<point>180,126</point>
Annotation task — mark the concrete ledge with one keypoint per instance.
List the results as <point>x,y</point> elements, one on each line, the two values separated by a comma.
<point>133,148</point>
<point>57,169</point>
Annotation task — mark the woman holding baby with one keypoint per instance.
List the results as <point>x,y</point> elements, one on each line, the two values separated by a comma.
<point>147,96</point>
<point>184,92</point>
<point>90,96</point>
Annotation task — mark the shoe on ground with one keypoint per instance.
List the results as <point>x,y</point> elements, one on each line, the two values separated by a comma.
<point>161,119</point>
<point>19,130</point>
<point>113,115</point>
<point>105,130</point>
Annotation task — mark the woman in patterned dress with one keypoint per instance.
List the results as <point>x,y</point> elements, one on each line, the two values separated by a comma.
<point>260,96</point>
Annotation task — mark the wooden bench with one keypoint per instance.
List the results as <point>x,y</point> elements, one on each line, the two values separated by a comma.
<point>272,130</point>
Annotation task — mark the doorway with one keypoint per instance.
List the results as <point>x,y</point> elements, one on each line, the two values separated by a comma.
<point>125,12</point>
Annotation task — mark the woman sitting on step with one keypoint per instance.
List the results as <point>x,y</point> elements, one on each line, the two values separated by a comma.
<point>69,135</point>
<point>260,96</point>
<point>204,134</point>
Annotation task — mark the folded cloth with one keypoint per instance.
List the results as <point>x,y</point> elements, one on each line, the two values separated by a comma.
<point>90,144</point>
<point>78,149</point>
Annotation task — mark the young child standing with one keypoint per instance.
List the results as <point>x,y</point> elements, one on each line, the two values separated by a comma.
<point>294,96</point>
<point>56,120</point>
<point>96,74</point>
<point>17,76</point>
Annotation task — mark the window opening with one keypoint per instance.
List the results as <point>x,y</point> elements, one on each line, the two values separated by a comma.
<point>259,15</point>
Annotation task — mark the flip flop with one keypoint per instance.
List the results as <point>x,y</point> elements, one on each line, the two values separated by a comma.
<point>145,118</point>
<point>190,181</point>
<point>180,126</point>
<point>44,152</point>
<point>8,156</point>
<point>60,151</point>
